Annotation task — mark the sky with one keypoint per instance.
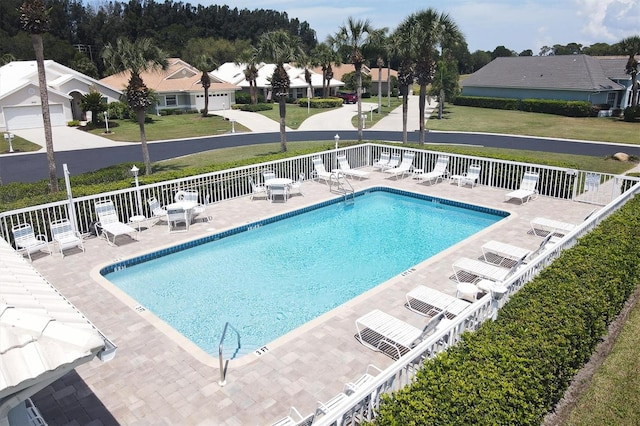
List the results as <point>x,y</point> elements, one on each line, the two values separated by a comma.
<point>516,24</point>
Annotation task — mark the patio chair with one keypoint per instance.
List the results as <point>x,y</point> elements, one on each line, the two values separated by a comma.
<point>201,208</point>
<point>319,171</point>
<point>268,175</point>
<point>27,242</point>
<point>278,191</point>
<point>109,223</point>
<point>297,185</point>
<point>257,190</point>
<point>493,251</point>
<point>541,227</point>
<point>382,162</point>
<point>471,177</point>
<point>393,162</point>
<point>378,330</point>
<point>527,190</point>
<point>295,419</point>
<point>158,213</point>
<point>429,302</point>
<point>176,217</point>
<point>326,407</point>
<point>344,166</point>
<point>438,173</point>
<point>404,167</point>
<point>484,270</point>
<point>65,236</point>
<point>370,373</point>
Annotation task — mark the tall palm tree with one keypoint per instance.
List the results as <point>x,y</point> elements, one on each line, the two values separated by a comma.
<point>136,57</point>
<point>248,58</point>
<point>205,64</point>
<point>432,29</point>
<point>379,41</point>
<point>280,47</point>
<point>34,18</point>
<point>325,56</point>
<point>353,42</point>
<point>402,48</point>
<point>631,46</point>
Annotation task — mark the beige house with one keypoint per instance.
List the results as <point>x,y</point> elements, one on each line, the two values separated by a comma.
<point>340,70</point>
<point>179,87</point>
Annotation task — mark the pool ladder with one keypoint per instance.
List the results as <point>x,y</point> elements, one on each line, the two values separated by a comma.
<point>223,365</point>
<point>342,186</point>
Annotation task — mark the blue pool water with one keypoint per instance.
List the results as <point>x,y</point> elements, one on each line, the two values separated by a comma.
<point>274,277</point>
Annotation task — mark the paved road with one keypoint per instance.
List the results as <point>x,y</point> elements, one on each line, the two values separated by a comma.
<point>83,153</point>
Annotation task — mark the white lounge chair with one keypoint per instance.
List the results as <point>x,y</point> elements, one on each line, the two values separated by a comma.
<point>344,166</point>
<point>429,302</point>
<point>394,162</point>
<point>109,223</point>
<point>64,236</point>
<point>471,177</point>
<point>405,166</point>
<point>377,330</point>
<point>438,173</point>
<point>541,227</point>
<point>326,407</point>
<point>382,162</point>
<point>527,190</point>
<point>370,373</point>
<point>258,190</point>
<point>503,252</point>
<point>27,242</point>
<point>295,419</point>
<point>483,270</point>
<point>319,171</point>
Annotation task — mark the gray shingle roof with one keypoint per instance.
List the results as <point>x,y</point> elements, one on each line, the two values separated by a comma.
<point>566,72</point>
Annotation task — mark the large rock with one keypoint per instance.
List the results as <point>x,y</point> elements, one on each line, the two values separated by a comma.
<point>621,156</point>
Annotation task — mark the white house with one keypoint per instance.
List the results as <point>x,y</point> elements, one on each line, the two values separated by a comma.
<point>234,74</point>
<point>179,87</point>
<point>20,106</point>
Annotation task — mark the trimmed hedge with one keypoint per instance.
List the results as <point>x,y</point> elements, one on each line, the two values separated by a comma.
<point>546,106</point>
<point>253,108</point>
<point>515,369</point>
<point>321,102</point>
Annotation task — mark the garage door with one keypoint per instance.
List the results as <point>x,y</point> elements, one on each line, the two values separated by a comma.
<point>28,117</point>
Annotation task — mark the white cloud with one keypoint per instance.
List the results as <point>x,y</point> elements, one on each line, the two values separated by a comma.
<point>609,20</point>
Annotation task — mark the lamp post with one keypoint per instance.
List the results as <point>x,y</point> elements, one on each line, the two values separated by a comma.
<point>233,125</point>
<point>106,120</point>
<point>134,172</point>
<point>9,138</point>
<point>337,139</point>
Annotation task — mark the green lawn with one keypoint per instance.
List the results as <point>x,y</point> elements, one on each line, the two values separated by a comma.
<point>468,119</point>
<point>296,114</point>
<point>169,127</point>
<point>613,397</point>
<point>18,144</point>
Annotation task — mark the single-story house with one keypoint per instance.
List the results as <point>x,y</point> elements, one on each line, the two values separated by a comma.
<point>340,70</point>
<point>298,88</point>
<point>20,94</point>
<point>563,77</point>
<point>43,337</point>
<point>179,87</point>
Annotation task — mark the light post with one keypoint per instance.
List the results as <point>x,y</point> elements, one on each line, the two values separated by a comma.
<point>9,138</point>
<point>337,139</point>
<point>134,172</point>
<point>106,120</point>
<point>233,125</point>
<point>371,112</point>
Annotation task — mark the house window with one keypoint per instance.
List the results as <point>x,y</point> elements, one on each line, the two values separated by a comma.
<point>611,99</point>
<point>170,100</point>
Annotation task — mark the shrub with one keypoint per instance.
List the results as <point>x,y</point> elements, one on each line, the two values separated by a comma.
<point>73,123</point>
<point>253,108</point>
<point>557,107</point>
<point>119,110</point>
<point>515,369</point>
<point>631,113</point>
<point>321,102</point>
<point>482,102</point>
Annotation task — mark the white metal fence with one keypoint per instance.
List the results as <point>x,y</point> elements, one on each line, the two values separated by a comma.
<point>232,183</point>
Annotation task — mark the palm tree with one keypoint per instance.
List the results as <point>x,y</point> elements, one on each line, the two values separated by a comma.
<point>137,57</point>
<point>248,59</point>
<point>325,56</point>
<point>402,48</point>
<point>205,64</point>
<point>279,47</point>
<point>379,40</point>
<point>431,29</point>
<point>34,18</point>
<point>353,41</point>
<point>631,46</point>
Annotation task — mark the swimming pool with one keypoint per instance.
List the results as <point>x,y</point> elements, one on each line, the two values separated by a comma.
<point>270,277</point>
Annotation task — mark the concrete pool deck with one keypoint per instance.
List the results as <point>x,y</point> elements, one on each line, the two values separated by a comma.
<point>159,378</point>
